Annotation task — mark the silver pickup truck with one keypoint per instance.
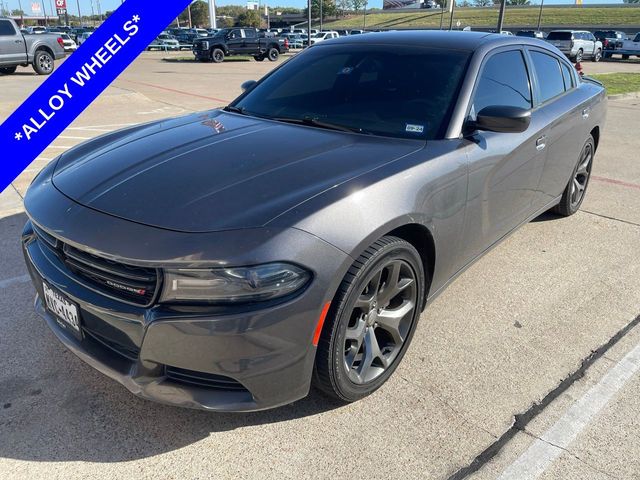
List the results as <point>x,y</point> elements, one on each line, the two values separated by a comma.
<point>17,49</point>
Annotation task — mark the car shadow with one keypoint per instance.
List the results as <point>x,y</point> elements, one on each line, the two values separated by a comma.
<point>546,216</point>
<point>54,407</point>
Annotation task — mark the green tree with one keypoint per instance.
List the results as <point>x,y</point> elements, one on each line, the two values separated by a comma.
<point>249,18</point>
<point>483,3</point>
<point>631,1</point>
<point>342,6</point>
<point>199,14</point>
<point>517,2</point>
<point>357,5</point>
<point>328,8</point>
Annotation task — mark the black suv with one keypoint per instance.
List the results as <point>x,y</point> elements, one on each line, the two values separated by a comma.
<point>238,41</point>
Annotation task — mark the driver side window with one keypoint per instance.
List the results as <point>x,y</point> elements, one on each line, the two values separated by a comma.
<point>503,81</point>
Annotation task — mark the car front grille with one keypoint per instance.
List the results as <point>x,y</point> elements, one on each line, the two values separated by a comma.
<point>128,283</point>
<point>202,379</point>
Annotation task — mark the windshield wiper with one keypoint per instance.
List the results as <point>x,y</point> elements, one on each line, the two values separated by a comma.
<point>314,122</point>
<point>231,108</point>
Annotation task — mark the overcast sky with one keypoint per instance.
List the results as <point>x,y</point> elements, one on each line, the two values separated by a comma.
<point>85,5</point>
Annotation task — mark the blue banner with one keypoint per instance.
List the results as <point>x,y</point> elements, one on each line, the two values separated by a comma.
<point>79,80</point>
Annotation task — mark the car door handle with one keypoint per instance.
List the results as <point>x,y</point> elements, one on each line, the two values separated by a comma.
<point>541,142</point>
<point>17,41</point>
<point>585,113</point>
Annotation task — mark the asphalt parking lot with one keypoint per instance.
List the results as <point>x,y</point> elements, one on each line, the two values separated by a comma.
<point>547,318</point>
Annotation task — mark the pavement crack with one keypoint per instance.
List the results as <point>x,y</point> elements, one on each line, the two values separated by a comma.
<point>611,218</point>
<point>17,191</point>
<point>521,420</point>
<point>566,450</point>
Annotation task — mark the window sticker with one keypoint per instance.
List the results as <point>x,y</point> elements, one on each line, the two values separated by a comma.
<point>412,128</point>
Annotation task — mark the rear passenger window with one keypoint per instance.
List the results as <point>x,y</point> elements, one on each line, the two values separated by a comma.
<point>548,74</point>
<point>568,76</point>
<point>504,81</point>
<point>6,28</point>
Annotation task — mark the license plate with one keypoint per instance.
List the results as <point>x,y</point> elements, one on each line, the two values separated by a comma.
<point>64,310</point>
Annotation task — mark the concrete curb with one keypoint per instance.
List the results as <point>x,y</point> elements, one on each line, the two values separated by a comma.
<point>619,96</point>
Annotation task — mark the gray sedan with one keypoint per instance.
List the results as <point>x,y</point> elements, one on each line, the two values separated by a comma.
<point>229,259</point>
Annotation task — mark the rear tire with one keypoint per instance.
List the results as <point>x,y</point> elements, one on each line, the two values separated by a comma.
<point>43,63</point>
<point>217,55</point>
<point>8,70</point>
<point>576,189</point>
<point>579,56</point>
<point>273,54</point>
<point>371,320</point>
<point>258,58</point>
<point>625,57</point>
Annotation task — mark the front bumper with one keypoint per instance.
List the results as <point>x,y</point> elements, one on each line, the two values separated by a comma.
<point>264,351</point>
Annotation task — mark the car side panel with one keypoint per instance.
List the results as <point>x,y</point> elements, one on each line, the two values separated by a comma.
<point>428,188</point>
<point>12,47</point>
<point>573,115</point>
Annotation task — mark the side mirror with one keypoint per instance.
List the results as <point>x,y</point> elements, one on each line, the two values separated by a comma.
<point>502,118</point>
<point>248,85</point>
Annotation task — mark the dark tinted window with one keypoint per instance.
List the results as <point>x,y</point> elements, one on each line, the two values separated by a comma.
<point>503,81</point>
<point>6,28</point>
<point>559,36</point>
<point>526,33</point>
<point>250,33</point>
<point>567,74</point>
<point>400,92</point>
<point>549,75</point>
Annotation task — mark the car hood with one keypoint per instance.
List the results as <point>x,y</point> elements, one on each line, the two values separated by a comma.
<point>216,170</point>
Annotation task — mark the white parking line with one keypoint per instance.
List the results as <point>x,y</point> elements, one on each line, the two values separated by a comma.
<point>74,138</point>
<point>63,147</point>
<point>541,454</point>
<point>12,281</point>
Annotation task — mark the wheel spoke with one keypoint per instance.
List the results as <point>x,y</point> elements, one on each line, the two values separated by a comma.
<point>390,320</point>
<point>357,332</point>
<point>389,289</point>
<point>371,353</point>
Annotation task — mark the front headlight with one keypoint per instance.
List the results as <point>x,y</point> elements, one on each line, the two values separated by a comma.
<point>233,285</point>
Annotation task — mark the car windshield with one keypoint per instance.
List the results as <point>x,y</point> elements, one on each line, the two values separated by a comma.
<point>559,36</point>
<point>319,35</point>
<point>526,33</point>
<point>375,89</point>
<point>65,36</point>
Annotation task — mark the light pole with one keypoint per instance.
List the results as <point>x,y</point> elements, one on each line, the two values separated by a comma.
<point>364,17</point>
<point>21,14</point>
<point>540,14</point>
<point>501,15</point>
<point>451,9</point>
<point>212,13</point>
<point>308,23</point>
<point>79,14</point>
<point>321,2</point>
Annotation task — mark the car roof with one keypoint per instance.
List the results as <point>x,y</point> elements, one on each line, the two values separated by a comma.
<point>452,40</point>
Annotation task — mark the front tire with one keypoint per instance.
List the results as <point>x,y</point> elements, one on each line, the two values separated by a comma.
<point>217,55</point>
<point>43,63</point>
<point>576,189</point>
<point>258,58</point>
<point>371,321</point>
<point>597,56</point>
<point>579,56</point>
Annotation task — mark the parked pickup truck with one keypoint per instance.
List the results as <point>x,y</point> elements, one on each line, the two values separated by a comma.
<point>17,49</point>
<point>238,41</point>
<point>629,48</point>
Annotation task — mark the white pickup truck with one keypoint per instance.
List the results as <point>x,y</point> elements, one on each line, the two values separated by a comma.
<point>629,48</point>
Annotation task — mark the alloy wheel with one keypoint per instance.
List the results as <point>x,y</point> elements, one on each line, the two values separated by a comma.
<point>581,177</point>
<point>380,321</point>
<point>45,63</point>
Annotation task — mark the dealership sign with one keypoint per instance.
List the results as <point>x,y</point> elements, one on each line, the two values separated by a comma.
<point>79,80</point>
<point>61,7</point>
